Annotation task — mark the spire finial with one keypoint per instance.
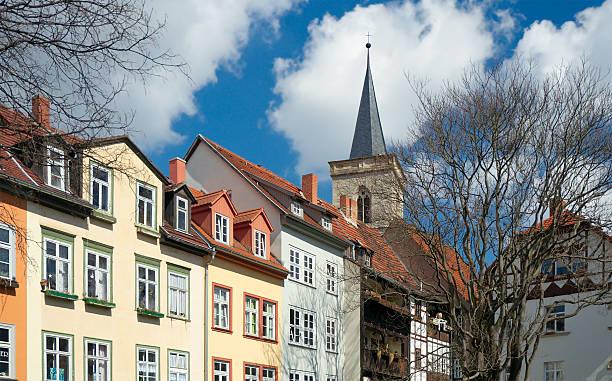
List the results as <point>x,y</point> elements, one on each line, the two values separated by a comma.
<point>368,45</point>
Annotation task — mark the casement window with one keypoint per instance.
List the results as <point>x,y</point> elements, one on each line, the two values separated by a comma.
<point>100,188</point>
<point>178,293</point>
<point>7,351</point>
<point>331,339</point>
<point>178,366</point>
<point>146,206</point>
<point>418,359</point>
<point>268,374</point>
<point>297,209</point>
<point>268,320</point>
<point>98,275</point>
<point>58,260</point>
<point>98,360</point>
<point>251,373</point>
<point>554,267</point>
<point>7,251</point>
<point>254,372</point>
<point>260,244</point>
<point>302,327</point>
<point>555,323</point>
<point>326,223</point>
<point>221,313</point>
<point>57,357</point>
<point>331,378</point>
<point>299,375</point>
<point>182,214</point>
<point>332,273</point>
<point>301,266</point>
<point>221,370</point>
<point>251,316</point>
<point>221,228</point>
<point>56,173</point>
<point>147,363</point>
<point>368,260</point>
<point>553,371</point>
<point>148,283</point>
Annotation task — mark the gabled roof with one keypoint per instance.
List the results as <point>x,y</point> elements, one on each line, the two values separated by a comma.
<point>193,240</point>
<point>212,198</point>
<point>250,215</point>
<point>175,187</point>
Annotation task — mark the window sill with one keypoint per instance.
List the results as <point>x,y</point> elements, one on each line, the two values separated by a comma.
<point>300,282</point>
<point>303,346</point>
<point>103,216</point>
<point>332,293</point>
<point>8,283</point>
<point>61,295</point>
<point>252,337</point>
<point>7,378</point>
<point>151,313</point>
<point>99,303</point>
<point>222,330</point>
<point>186,319</point>
<point>147,231</point>
<point>555,334</point>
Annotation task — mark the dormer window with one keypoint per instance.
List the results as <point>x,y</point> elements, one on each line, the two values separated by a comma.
<point>368,260</point>
<point>56,175</point>
<point>260,244</point>
<point>146,204</point>
<point>222,228</point>
<point>296,208</point>
<point>326,223</point>
<point>181,214</point>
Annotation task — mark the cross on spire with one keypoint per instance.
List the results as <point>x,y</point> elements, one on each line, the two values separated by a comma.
<point>368,43</point>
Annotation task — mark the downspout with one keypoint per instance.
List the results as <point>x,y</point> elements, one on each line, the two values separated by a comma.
<point>212,258</point>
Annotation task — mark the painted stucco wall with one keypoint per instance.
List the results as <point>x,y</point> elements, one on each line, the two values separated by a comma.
<point>352,320</point>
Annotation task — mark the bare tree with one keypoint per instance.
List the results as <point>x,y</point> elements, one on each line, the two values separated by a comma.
<point>508,172</point>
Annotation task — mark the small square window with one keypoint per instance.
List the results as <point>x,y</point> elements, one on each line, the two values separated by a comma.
<point>326,223</point>
<point>297,209</point>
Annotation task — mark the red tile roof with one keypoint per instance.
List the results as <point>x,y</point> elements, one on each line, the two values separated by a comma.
<point>192,238</point>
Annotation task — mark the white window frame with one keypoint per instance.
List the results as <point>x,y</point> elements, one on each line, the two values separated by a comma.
<point>56,353</point>
<point>259,239</point>
<point>302,266</point>
<point>98,273</point>
<point>224,375</point>
<point>297,209</point>
<point>61,163</point>
<point>11,246</point>
<point>300,375</point>
<point>268,321</point>
<point>10,348</point>
<point>331,377</point>
<point>146,201</point>
<point>331,285</point>
<point>217,311</point>
<point>180,294</point>
<point>251,376</point>
<point>249,313</point>
<point>146,363</point>
<point>106,360</point>
<point>557,311</point>
<point>101,183</point>
<point>185,212</point>
<point>326,223</point>
<point>220,235</point>
<point>268,374</point>
<point>368,260</point>
<point>331,335</point>
<point>148,284</point>
<point>57,259</point>
<point>553,367</point>
<point>179,373</point>
<point>303,329</point>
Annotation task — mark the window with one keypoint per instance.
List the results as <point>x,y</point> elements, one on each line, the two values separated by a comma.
<point>147,287</point>
<point>555,323</point>
<point>332,271</point>
<point>221,313</point>
<point>177,293</point>
<point>178,366</point>
<point>221,371</point>
<point>554,267</point>
<point>260,244</point>
<point>98,359</point>
<point>7,251</point>
<point>7,350</point>
<point>222,228</point>
<point>251,373</point>
<point>251,319</point>
<point>148,364</point>
<point>331,378</point>
<point>58,264</point>
<point>368,260</point>
<point>301,327</point>
<point>268,374</point>
<point>298,375</point>
<point>326,223</point>
<point>330,335</point>
<point>553,371</point>
<point>417,359</point>
<point>181,214</point>
<point>296,208</point>
<point>57,357</point>
<point>269,320</point>
<point>98,275</point>
<point>363,206</point>
<point>100,188</point>
<point>56,174</point>
<point>301,266</point>
<point>146,206</point>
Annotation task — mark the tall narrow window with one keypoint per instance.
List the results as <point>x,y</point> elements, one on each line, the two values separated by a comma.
<point>363,206</point>
<point>269,320</point>
<point>58,268</point>
<point>251,316</point>
<point>146,205</point>
<point>56,173</point>
<point>7,251</point>
<point>98,278</point>
<point>330,335</point>
<point>332,270</point>
<point>7,350</point>
<point>553,371</point>
<point>222,228</point>
<point>181,214</point>
<point>98,360</point>
<point>100,188</point>
<point>221,307</point>
<point>57,357</point>
<point>147,287</point>
<point>148,364</point>
<point>251,373</point>
<point>556,323</point>
<point>417,359</point>
<point>177,294</point>
<point>178,366</point>
<point>221,370</point>
<point>260,244</point>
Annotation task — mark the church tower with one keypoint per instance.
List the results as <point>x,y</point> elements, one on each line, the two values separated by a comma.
<point>370,180</point>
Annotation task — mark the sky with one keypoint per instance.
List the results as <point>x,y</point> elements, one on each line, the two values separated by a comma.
<point>278,81</point>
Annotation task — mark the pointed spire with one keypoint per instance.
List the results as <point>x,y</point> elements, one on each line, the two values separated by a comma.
<point>368,139</point>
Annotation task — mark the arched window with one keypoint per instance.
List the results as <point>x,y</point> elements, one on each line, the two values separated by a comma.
<point>363,205</point>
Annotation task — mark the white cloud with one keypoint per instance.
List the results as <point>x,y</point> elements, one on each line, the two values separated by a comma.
<point>319,92</point>
<point>207,34</point>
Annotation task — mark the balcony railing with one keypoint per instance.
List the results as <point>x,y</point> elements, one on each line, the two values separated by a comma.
<point>385,363</point>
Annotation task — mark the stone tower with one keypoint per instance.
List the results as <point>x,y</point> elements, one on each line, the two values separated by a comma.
<point>371,177</point>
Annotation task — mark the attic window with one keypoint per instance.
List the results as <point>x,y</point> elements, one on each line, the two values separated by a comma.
<point>260,244</point>
<point>222,229</point>
<point>181,213</point>
<point>368,260</point>
<point>56,175</point>
<point>326,223</point>
<point>296,208</point>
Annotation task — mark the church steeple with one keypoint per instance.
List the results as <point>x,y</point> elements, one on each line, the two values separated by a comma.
<point>368,139</point>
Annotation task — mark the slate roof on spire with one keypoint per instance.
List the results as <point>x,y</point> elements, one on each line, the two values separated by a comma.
<point>368,139</point>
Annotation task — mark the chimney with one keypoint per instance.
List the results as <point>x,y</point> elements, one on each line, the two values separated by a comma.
<point>177,170</point>
<point>344,205</point>
<point>309,187</point>
<point>353,209</point>
<point>40,110</point>
<point>348,206</point>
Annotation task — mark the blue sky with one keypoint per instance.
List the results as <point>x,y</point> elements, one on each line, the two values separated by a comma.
<point>278,82</point>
